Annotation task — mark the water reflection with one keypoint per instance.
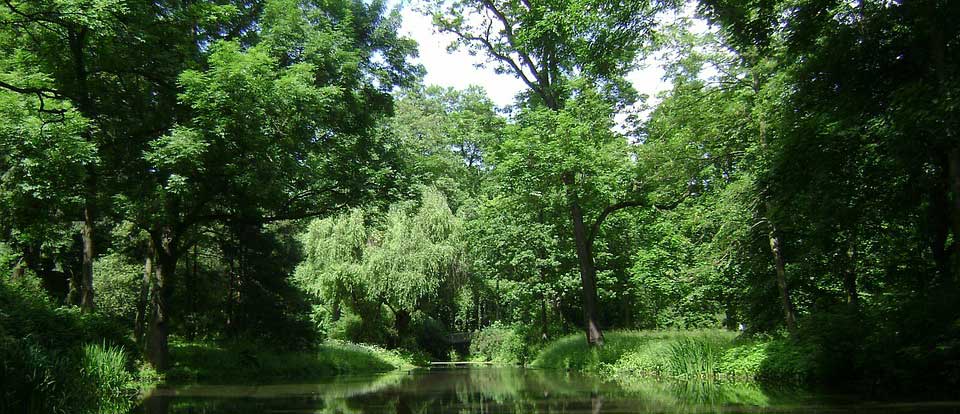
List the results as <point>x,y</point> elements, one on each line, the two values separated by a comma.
<point>491,391</point>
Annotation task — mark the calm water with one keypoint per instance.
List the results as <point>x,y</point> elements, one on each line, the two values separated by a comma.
<point>504,390</point>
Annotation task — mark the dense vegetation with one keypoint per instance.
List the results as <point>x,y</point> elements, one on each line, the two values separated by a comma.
<point>245,180</point>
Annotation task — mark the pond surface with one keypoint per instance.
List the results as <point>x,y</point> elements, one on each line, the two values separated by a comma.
<point>504,390</point>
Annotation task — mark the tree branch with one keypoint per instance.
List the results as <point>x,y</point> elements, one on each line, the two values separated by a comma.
<point>627,204</point>
<point>41,93</point>
<point>607,212</point>
<point>508,33</point>
<point>491,48</point>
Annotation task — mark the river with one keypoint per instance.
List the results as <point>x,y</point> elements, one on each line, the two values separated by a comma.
<point>491,390</point>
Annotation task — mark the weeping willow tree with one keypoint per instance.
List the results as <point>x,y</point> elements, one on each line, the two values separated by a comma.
<point>334,250</point>
<point>401,261</point>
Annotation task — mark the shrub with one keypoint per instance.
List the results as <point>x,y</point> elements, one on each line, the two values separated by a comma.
<point>352,328</point>
<point>46,362</point>
<point>778,360</point>
<point>429,336</point>
<point>118,286</point>
<point>499,343</point>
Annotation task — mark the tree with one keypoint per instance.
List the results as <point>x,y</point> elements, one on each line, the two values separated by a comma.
<point>446,135</point>
<point>267,132</point>
<point>56,44</point>
<point>44,155</point>
<point>401,263</point>
<point>547,45</point>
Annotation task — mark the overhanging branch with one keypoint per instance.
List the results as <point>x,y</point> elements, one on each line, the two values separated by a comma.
<point>627,204</point>
<point>41,93</point>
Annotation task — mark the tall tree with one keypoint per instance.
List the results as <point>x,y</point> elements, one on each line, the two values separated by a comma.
<point>267,131</point>
<point>547,45</point>
<point>65,43</point>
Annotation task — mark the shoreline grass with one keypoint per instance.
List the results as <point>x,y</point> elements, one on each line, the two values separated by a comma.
<point>208,362</point>
<point>684,355</point>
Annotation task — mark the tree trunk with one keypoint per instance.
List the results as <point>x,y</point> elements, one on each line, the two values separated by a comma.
<point>141,316</point>
<point>401,323</point>
<point>19,269</point>
<point>337,311</point>
<point>850,274</point>
<point>543,318</point>
<point>778,262</point>
<point>543,305</point>
<point>939,222</point>
<point>86,275</point>
<point>85,105</point>
<point>588,273</point>
<point>161,291</point>
<point>775,245</point>
<point>954,172</point>
<point>850,287</point>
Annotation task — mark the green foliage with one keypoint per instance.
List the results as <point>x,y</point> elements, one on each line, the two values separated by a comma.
<point>702,355</point>
<point>499,343</point>
<point>775,360</point>
<point>354,328</point>
<point>117,285</point>
<point>106,368</point>
<point>673,354</point>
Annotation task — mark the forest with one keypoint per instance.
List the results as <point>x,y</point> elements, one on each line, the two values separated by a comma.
<point>200,189</point>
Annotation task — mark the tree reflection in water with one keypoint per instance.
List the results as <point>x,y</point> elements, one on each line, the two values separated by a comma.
<point>476,391</point>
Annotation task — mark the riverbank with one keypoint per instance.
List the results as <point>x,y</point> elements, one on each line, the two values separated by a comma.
<point>58,359</point>
<point>209,362</point>
<point>699,354</point>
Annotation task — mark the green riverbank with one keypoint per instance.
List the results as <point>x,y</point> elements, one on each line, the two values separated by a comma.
<point>209,362</point>
<point>698,354</point>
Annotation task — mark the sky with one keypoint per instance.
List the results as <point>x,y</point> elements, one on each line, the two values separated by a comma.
<point>459,68</point>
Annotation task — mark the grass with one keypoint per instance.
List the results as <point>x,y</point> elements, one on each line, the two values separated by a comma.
<point>105,367</point>
<point>647,352</point>
<point>209,362</point>
<point>699,354</point>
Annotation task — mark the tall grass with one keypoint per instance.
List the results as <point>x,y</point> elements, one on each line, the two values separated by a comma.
<point>50,359</point>
<point>665,353</point>
<point>702,355</point>
<point>104,368</point>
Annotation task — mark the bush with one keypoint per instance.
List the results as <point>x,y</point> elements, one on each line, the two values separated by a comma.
<point>776,360</point>
<point>499,343</point>
<point>352,328</point>
<point>47,362</point>
<point>118,286</point>
<point>429,336</point>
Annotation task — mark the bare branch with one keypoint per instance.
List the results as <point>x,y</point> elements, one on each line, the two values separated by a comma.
<point>499,56</point>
